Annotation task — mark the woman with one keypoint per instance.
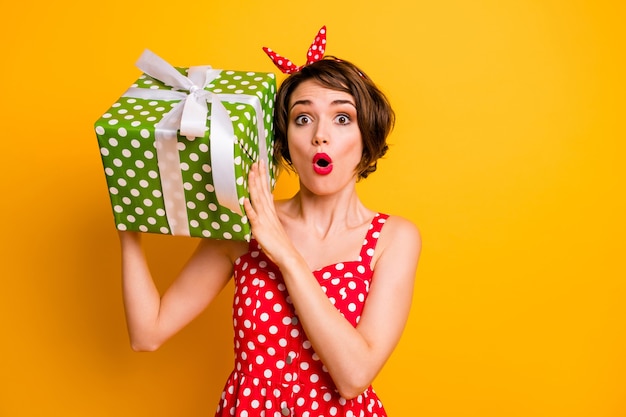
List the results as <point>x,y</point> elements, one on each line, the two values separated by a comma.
<point>324,288</point>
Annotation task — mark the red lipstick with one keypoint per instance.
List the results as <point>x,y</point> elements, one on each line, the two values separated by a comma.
<point>322,164</point>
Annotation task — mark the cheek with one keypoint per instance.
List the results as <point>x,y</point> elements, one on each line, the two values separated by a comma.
<point>353,145</point>
<point>295,149</point>
<point>358,155</point>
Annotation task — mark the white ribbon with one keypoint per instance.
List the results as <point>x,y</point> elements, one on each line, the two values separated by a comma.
<point>189,117</point>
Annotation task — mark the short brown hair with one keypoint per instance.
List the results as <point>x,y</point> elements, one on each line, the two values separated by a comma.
<point>375,116</point>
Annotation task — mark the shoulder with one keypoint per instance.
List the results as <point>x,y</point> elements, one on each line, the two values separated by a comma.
<point>400,239</point>
<point>397,227</point>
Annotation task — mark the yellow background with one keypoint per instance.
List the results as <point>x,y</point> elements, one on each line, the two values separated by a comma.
<point>508,154</point>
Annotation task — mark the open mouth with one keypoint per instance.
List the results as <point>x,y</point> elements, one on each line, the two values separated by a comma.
<point>322,164</point>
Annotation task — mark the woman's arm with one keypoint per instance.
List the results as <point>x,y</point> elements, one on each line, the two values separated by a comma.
<point>152,318</point>
<point>353,356</point>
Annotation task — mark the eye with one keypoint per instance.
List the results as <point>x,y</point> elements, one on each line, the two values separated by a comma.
<point>303,119</point>
<point>342,119</point>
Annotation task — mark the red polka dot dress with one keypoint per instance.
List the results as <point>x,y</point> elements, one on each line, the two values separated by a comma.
<point>277,373</point>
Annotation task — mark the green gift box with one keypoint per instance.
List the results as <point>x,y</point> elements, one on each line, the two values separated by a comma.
<point>178,145</point>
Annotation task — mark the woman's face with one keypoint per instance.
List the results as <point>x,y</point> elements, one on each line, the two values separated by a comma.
<point>323,137</point>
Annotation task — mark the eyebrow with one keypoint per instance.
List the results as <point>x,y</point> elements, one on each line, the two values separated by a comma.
<point>334,102</point>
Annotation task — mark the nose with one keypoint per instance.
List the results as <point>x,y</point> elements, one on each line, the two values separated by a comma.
<point>317,140</point>
<point>320,136</point>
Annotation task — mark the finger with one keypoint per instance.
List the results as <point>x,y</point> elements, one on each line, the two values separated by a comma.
<point>264,176</point>
<point>252,178</point>
<point>256,198</point>
<point>250,212</point>
<point>258,186</point>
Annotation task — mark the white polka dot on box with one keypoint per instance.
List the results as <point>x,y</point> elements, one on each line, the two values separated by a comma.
<point>178,145</point>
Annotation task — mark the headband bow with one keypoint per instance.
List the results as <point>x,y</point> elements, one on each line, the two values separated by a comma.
<point>314,54</point>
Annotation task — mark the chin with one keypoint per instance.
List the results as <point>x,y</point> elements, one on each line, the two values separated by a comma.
<point>327,186</point>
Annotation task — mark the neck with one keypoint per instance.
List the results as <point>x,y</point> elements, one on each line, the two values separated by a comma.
<point>328,214</point>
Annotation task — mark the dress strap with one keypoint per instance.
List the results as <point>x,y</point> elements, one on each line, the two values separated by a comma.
<point>371,238</point>
<point>253,245</point>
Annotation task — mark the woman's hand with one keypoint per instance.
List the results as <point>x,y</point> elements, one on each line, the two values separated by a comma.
<point>266,226</point>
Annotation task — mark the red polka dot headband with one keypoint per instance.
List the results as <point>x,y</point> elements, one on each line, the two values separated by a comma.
<point>314,54</point>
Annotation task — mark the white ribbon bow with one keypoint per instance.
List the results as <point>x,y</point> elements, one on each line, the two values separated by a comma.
<point>189,117</point>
